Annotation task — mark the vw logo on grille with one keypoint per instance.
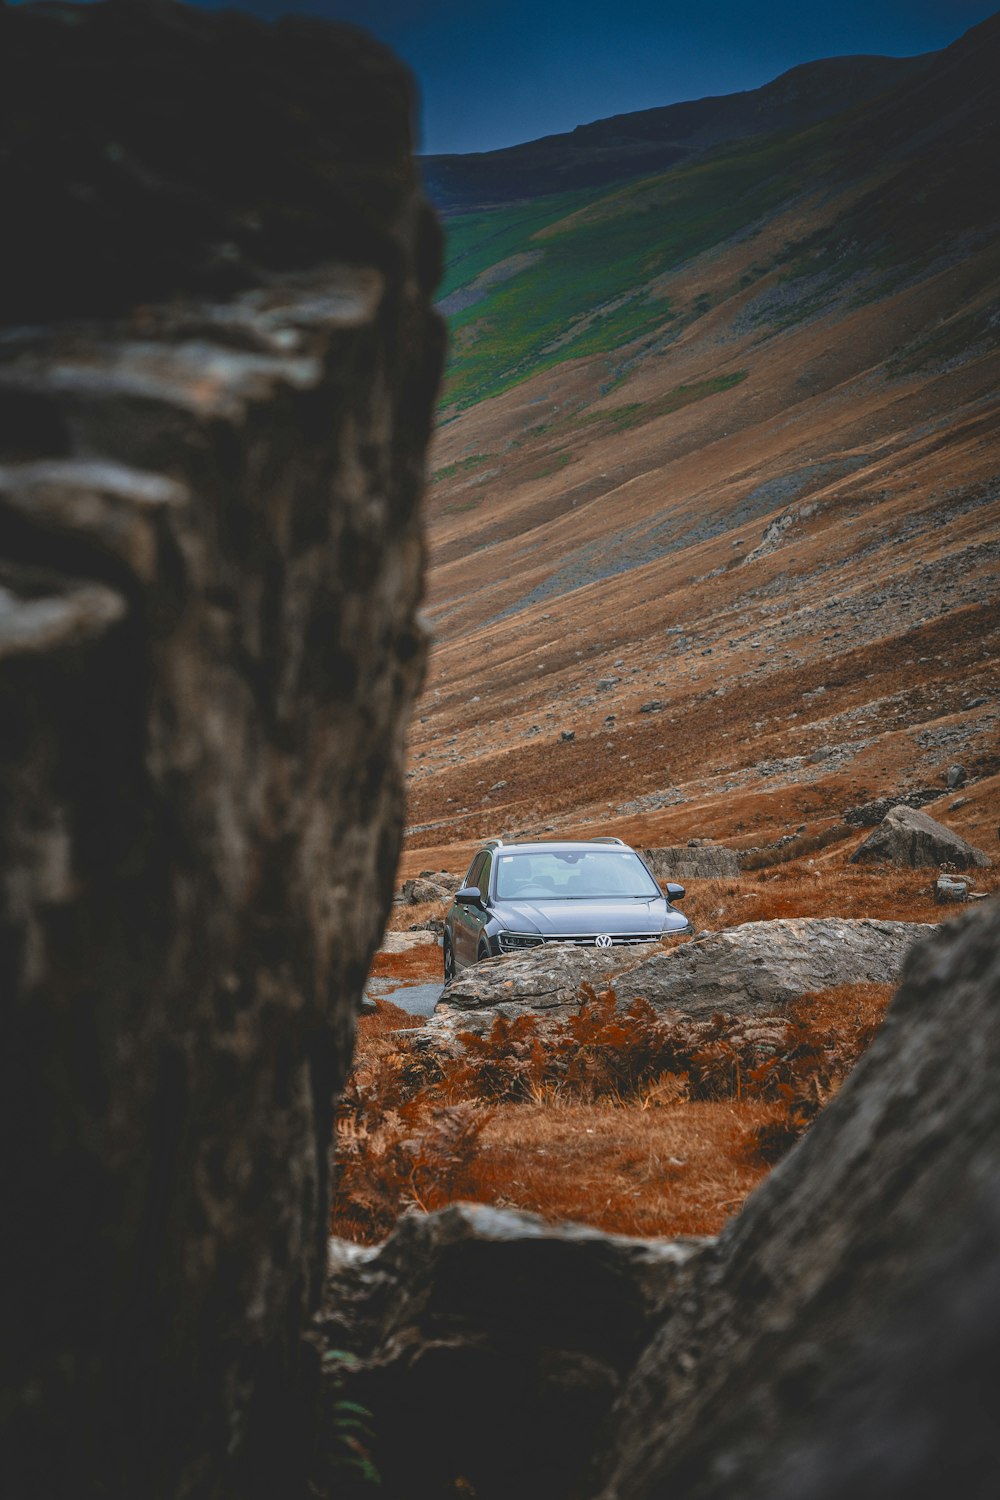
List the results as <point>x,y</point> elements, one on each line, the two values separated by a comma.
<point>604,941</point>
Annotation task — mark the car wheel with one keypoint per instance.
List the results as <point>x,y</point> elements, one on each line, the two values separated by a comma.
<point>484,952</point>
<point>449,960</point>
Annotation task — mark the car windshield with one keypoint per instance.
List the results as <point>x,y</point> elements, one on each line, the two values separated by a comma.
<point>574,874</point>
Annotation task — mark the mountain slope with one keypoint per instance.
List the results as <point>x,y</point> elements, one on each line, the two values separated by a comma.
<point>649,140</point>
<point>532,286</point>
<point>716,490</point>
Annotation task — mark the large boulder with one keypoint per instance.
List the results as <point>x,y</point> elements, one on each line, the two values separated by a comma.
<point>867,814</point>
<point>491,1344</point>
<point>421,889</point>
<point>759,968</point>
<point>841,1337</point>
<point>544,978</point>
<point>762,968</point>
<point>693,862</point>
<point>210,568</point>
<point>908,836</point>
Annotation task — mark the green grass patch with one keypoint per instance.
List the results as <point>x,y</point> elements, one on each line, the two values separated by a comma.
<point>590,291</point>
<point>553,465</point>
<point>463,466</point>
<point>634,413</point>
<point>474,242</point>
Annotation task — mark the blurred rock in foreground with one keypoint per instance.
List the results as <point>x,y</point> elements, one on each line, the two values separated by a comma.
<point>216,382</point>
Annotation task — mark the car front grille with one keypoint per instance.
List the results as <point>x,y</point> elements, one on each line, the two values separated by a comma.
<point>617,938</point>
<point>513,941</point>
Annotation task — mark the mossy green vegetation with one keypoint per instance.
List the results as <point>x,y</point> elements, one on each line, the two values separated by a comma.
<point>597,285</point>
<point>634,413</point>
<point>463,466</point>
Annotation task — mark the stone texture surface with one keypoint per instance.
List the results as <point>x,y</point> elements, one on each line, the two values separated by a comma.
<point>867,814</point>
<point>907,836</point>
<point>759,968</point>
<point>542,978</point>
<point>684,862</point>
<point>421,889</point>
<point>492,1344</point>
<point>210,566</point>
<point>161,150</point>
<point>404,942</point>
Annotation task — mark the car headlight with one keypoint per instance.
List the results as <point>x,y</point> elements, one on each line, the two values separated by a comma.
<point>512,942</point>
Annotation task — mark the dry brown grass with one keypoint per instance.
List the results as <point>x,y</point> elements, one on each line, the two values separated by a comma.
<point>420,965</point>
<point>628,1169</point>
<point>380,1025</point>
<point>820,891</point>
<point>857,1009</point>
<point>404,916</point>
<point>635,1123</point>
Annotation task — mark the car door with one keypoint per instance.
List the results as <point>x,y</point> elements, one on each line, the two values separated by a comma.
<point>466,928</point>
<point>477,918</point>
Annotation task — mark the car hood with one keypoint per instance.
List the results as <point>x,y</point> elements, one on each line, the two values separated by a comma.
<point>584,918</point>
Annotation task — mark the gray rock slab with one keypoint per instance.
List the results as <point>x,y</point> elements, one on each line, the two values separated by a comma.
<point>683,862</point>
<point>541,978</point>
<point>761,968</point>
<point>908,836</point>
<point>403,942</point>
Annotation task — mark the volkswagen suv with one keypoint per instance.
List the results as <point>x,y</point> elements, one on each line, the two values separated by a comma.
<point>596,892</point>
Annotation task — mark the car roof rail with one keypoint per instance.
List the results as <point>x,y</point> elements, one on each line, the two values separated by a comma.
<point>606,838</point>
<point>492,843</point>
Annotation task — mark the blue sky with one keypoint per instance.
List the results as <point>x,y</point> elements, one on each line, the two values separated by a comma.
<point>495,72</point>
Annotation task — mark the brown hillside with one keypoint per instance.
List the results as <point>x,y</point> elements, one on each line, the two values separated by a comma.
<point>781,529</point>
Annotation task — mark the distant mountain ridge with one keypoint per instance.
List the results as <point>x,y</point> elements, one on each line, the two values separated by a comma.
<point>650,140</point>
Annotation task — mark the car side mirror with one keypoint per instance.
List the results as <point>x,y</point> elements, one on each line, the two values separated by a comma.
<point>674,892</point>
<point>469,895</point>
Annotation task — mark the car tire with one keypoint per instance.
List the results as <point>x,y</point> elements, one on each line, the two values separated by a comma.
<point>449,960</point>
<point>483,953</point>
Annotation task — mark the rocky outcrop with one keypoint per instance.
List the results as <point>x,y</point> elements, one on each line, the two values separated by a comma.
<point>693,862</point>
<point>405,942</point>
<point>950,891</point>
<point>759,968</point>
<point>907,836</point>
<point>867,814</point>
<point>422,888</point>
<point>210,564</point>
<point>842,1336</point>
<point>493,1343</point>
<point>544,978</point>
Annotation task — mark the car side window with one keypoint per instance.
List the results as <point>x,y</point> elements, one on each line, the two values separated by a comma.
<point>475,871</point>
<point>484,876</point>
